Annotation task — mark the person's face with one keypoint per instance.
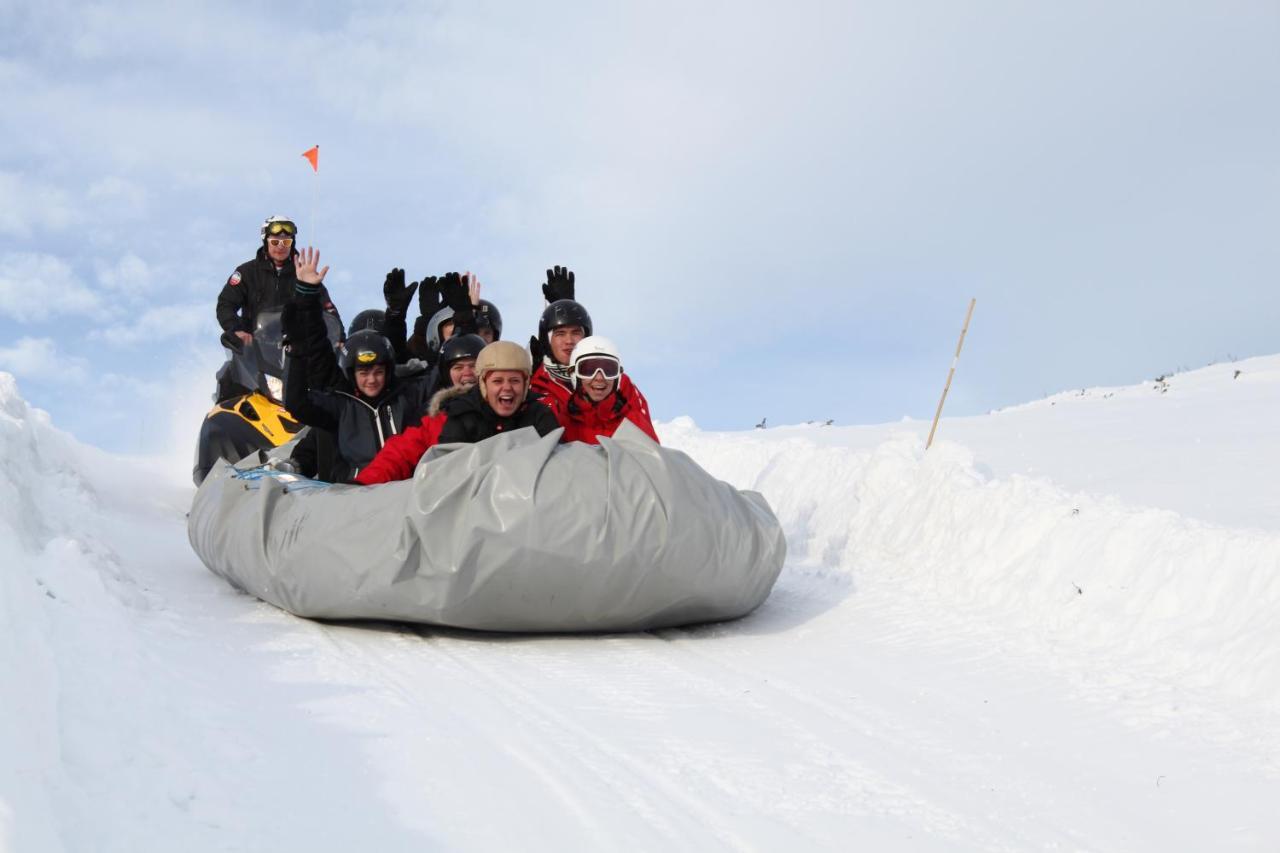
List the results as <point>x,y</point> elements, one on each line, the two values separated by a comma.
<point>463,372</point>
<point>279,247</point>
<point>597,387</point>
<point>371,380</point>
<point>563,340</point>
<point>446,330</point>
<point>487,333</point>
<point>504,391</point>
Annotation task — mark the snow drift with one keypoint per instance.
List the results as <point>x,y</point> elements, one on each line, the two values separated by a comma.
<point>146,704</point>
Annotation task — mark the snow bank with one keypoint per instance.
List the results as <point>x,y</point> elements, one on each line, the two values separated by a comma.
<point>1129,588</point>
<point>65,601</point>
<point>144,699</point>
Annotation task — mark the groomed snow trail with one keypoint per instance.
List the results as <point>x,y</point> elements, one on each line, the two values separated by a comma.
<point>949,661</point>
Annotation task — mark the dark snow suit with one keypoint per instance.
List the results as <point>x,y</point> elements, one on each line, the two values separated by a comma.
<point>257,285</point>
<point>319,395</point>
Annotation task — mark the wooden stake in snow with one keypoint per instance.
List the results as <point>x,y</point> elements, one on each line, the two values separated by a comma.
<point>951,373</point>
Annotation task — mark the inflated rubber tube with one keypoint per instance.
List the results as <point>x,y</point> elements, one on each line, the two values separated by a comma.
<point>516,533</point>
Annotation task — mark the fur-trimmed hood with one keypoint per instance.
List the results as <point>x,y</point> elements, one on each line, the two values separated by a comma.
<point>443,396</point>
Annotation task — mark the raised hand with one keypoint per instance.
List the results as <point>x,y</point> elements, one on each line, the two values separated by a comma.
<point>429,301</point>
<point>559,284</point>
<point>396,294</point>
<point>309,278</point>
<point>455,292</point>
<point>473,287</point>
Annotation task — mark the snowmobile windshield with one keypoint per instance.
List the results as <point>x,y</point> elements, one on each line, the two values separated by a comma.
<point>268,344</point>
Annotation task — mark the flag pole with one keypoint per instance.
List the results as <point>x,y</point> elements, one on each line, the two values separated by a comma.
<point>312,156</point>
<point>315,197</point>
<point>951,373</point>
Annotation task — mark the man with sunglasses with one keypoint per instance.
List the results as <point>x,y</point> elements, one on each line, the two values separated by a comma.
<point>603,396</point>
<point>265,282</point>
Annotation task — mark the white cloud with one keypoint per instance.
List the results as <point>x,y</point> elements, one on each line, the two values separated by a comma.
<point>38,358</point>
<point>30,206</point>
<point>118,198</point>
<point>130,275</point>
<point>35,287</point>
<point>164,322</point>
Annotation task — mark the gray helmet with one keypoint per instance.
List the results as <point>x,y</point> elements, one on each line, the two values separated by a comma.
<point>433,328</point>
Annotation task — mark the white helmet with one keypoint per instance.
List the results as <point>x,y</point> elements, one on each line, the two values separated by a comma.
<point>278,225</point>
<point>595,354</point>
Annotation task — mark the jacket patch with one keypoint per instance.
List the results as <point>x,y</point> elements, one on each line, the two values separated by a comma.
<point>235,278</point>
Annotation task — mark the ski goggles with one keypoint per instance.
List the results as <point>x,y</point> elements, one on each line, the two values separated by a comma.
<point>586,368</point>
<point>282,227</point>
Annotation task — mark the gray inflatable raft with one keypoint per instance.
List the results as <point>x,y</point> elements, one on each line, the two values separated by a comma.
<point>516,533</point>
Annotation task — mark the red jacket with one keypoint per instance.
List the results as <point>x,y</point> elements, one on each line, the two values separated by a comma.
<point>550,390</point>
<point>586,421</point>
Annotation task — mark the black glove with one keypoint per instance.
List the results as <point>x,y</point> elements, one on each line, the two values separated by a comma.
<point>454,292</point>
<point>559,284</point>
<point>535,350</point>
<point>429,301</point>
<point>397,295</point>
<point>232,341</point>
<point>458,297</point>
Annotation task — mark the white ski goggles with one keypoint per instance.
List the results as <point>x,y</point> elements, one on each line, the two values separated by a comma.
<point>587,367</point>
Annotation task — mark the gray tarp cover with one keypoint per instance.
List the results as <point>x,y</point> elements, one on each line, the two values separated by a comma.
<point>516,533</point>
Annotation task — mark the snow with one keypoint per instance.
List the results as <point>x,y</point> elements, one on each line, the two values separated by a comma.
<point>1055,629</point>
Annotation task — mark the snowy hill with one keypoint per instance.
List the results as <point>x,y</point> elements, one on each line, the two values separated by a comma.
<point>1054,629</point>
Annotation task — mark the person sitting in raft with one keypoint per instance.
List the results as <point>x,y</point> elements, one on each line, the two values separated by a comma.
<point>603,396</point>
<point>358,399</point>
<point>498,403</point>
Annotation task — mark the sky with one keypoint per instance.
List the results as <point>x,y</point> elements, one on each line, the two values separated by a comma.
<point>776,212</point>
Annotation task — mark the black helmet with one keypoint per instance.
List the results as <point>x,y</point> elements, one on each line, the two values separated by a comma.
<point>488,316</point>
<point>364,349</point>
<point>369,318</point>
<point>460,347</point>
<point>562,312</point>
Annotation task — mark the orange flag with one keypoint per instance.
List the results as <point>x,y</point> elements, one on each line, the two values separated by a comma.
<point>313,157</point>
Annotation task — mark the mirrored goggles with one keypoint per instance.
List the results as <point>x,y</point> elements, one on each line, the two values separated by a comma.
<point>282,228</point>
<point>587,367</point>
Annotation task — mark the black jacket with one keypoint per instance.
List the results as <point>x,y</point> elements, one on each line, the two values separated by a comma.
<point>470,419</point>
<point>317,394</point>
<point>257,285</point>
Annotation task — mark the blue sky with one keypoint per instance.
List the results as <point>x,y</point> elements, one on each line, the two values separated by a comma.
<point>775,212</point>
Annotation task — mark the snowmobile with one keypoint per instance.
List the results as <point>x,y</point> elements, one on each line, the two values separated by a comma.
<point>255,419</point>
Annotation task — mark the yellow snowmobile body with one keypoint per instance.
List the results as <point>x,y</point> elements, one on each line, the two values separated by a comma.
<point>249,416</point>
<point>235,428</point>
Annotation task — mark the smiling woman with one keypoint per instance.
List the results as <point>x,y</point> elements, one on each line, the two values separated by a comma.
<point>604,396</point>
<point>468,414</point>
